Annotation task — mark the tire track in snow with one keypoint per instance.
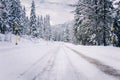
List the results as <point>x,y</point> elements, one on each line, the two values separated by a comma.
<point>48,67</point>
<point>103,67</point>
<point>70,63</point>
<point>51,55</point>
<point>35,63</point>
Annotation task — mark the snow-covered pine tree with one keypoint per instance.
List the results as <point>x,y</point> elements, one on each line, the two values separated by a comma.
<point>39,26</point>
<point>2,10</point>
<point>63,32</point>
<point>72,38</point>
<point>24,28</point>
<point>97,29</point>
<point>27,27</point>
<point>23,22</point>
<point>4,19</point>
<point>66,35</point>
<point>47,29</point>
<point>33,30</point>
<point>1,19</point>
<point>92,20</point>
<point>78,18</point>
<point>116,27</point>
<point>105,19</point>
<point>11,12</point>
<point>57,32</point>
<point>44,28</point>
<point>84,22</point>
<point>15,13</point>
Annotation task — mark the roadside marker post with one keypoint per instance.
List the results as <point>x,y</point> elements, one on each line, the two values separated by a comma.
<point>16,32</point>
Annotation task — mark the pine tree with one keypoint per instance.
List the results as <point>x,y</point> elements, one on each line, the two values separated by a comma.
<point>4,26</point>
<point>11,12</point>
<point>78,19</point>
<point>2,7</point>
<point>84,22</point>
<point>105,19</point>
<point>66,33</point>
<point>24,22</point>
<point>39,26</point>
<point>92,20</point>
<point>4,19</point>
<point>15,14</point>
<point>33,29</point>
<point>116,27</point>
<point>47,30</point>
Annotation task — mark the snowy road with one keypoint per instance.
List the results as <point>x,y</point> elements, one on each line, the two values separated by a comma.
<point>52,61</point>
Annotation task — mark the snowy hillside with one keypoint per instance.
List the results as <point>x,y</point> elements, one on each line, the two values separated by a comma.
<point>58,61</point>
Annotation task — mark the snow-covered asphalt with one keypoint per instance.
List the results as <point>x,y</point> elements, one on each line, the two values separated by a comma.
<point>52,61</point>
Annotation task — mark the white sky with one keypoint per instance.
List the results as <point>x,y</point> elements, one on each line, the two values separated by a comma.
<point>57,9</point>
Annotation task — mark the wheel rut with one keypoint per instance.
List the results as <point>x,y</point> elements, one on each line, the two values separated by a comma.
<point>42,66</point>
<point>101,66</point>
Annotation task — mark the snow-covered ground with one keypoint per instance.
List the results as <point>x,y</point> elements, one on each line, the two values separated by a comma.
<point>42,60</point>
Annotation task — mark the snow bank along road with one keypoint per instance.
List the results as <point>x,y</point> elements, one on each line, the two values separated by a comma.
<point>53,61</point>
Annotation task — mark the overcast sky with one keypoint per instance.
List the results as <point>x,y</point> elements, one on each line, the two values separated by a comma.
<point>59,11</point>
